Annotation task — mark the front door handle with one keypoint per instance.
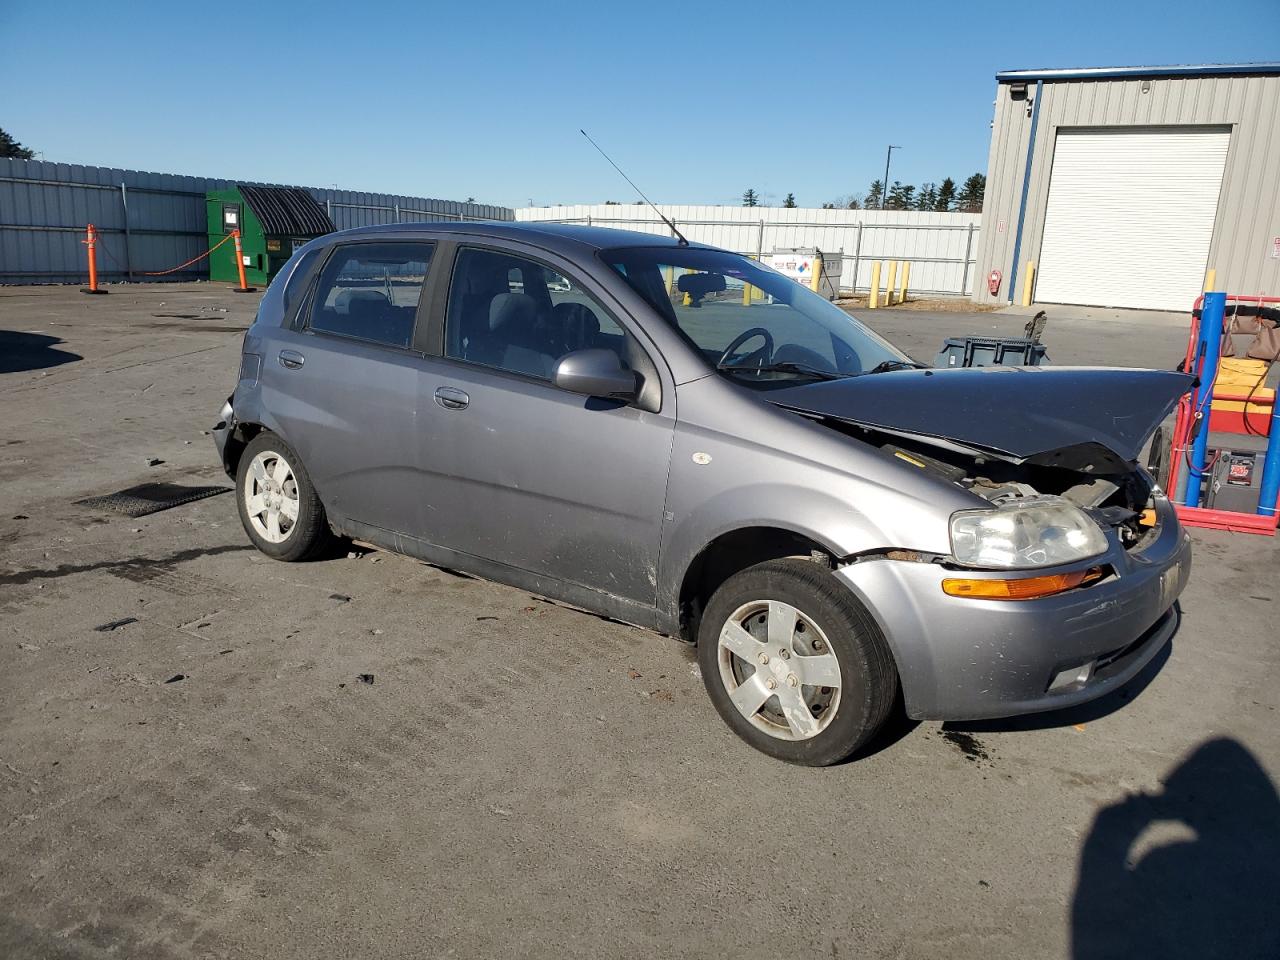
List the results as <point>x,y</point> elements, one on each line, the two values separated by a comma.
<point>291,359</point>
<point>451,398</point>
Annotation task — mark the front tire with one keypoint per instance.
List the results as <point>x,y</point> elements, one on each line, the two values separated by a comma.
<point>278,505</point>
<point>795,664</point>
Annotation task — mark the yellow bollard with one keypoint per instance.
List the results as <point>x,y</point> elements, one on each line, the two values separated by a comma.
<point>1028,282</point>
<point>815,282</point>
<point>688,299</point>
<point>873,300</point>
<point>906,278</point>
<point>1210,279</point>
<point>671,279</point>
<point>747,290</point>
<point>893,282</point>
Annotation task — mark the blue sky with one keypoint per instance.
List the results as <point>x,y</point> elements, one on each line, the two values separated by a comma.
<point>697,101</point>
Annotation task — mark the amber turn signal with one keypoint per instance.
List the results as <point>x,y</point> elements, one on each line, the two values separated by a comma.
<point>1023,588</point>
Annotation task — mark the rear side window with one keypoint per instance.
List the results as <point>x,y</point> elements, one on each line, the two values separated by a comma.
<point>370,291</point>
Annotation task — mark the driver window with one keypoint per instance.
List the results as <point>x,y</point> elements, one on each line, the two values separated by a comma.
<point>514,314</point>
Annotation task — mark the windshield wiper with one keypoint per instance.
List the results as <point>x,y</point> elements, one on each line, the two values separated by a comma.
<point>784,366</point>
<point>884,366</point>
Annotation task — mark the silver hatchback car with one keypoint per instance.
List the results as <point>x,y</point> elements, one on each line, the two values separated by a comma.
<point>676,436</point>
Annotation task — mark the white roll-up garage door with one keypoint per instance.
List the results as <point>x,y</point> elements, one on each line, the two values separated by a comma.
<point>1130,216</point>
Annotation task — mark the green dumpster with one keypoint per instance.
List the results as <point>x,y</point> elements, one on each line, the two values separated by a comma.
<point>273,222</point>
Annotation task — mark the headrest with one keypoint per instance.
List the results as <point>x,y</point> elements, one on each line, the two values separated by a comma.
<point>343,301</point>
<point>506,308</point>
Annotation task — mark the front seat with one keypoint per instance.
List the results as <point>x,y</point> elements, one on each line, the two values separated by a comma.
<point>574,326</point>
<point>514,342</point>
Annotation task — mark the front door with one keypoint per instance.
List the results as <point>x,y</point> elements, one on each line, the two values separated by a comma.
<point>524,473</point>
<point>344,386</point>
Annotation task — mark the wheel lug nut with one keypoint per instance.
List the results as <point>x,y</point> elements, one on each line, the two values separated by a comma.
<point>784,653</point>
<point>771,684</point>
<point>764,658</point>
<point>793,680</point>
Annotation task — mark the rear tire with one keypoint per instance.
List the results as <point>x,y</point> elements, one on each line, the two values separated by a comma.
<point>278,504</point>
<point>795,664</point>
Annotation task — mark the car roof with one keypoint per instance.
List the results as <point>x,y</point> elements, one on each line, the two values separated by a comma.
<point>559,236</point>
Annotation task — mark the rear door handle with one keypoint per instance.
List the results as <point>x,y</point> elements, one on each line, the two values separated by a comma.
<point>291,359</point>
<point>451,398</point>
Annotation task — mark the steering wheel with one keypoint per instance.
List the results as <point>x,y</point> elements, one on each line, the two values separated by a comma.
<point>764,352</point>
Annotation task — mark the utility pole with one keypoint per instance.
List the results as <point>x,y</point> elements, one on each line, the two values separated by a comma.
<point>884,193</point>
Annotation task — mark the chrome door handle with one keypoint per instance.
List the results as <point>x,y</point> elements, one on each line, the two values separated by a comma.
<point>291,359</point>
<point>451,398</point>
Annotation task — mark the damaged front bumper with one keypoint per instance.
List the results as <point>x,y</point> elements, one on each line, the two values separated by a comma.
<point>965,659</point>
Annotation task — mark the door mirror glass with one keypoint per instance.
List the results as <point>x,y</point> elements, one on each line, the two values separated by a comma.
<point>596,372</point>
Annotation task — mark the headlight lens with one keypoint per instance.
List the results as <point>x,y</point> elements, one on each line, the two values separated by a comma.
<point>1033,532</point>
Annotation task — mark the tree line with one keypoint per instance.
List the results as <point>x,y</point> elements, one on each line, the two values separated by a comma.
<point>10,147</point>
<point>941,197</point>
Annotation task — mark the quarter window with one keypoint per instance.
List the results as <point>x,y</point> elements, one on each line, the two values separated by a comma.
<point>370,291</point>
<point>515,314</point>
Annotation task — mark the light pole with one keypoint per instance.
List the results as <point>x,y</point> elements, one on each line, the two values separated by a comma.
<point>884,189</point>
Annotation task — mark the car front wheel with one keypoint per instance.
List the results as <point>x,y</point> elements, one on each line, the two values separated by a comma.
<point>794,663</point>
<point>278,505</point>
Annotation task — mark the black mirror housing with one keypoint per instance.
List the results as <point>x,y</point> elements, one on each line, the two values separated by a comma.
<point>596,372</point>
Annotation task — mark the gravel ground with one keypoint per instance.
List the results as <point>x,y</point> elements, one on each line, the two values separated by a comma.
<point>192,766</point>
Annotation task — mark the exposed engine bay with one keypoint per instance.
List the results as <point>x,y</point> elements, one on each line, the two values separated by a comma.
<point>1122,501</point>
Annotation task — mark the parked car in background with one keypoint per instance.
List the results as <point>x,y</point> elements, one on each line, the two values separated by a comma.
<point>677,436</point>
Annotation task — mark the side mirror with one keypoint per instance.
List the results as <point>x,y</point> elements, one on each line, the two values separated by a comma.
<point>595,372</point>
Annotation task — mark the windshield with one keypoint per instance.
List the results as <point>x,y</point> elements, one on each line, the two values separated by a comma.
<point>750,321</point>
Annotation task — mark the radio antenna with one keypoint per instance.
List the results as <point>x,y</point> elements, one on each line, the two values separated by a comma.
<point>665,219</point>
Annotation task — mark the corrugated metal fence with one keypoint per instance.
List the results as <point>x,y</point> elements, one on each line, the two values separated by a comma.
<point>940,246</point>
<point>151,221</point>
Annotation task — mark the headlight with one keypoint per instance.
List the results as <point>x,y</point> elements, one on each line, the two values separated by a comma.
<point>1033,532</point>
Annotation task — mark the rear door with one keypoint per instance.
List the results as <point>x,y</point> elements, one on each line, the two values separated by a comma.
<point>522,472</point>
<point>344,378</point>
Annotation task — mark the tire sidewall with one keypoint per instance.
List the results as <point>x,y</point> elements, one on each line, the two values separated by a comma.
<point>850,632</point>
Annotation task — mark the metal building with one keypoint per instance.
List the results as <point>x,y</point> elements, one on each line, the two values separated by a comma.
<point>1122,187</point>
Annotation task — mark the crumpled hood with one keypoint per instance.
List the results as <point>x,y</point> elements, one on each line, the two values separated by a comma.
<point>1076,417</point>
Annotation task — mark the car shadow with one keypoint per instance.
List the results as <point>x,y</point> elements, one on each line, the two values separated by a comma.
<point>1189,871</point>
<point>31,351</point>
<point>1085,712</point>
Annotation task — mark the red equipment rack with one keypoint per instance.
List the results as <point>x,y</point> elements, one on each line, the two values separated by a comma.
<point>1222,422</point>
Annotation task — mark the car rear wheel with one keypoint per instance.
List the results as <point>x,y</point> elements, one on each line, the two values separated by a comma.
<point>278,505</point>
<point>794,663</point>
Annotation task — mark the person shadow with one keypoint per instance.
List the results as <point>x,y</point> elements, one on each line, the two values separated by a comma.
<point>1191,871</point>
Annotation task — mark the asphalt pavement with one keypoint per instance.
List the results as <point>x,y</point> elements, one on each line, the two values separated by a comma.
<point>208,754</point>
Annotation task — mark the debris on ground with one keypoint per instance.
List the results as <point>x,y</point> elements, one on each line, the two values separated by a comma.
<point>355,554</point>
<point>633,673</point>
<point>27,646</point>
<point>21,516</point>
<point>663,695</point>
<point>115,625</point>
<point>154,461</point>
<point>176,678</point>
<point>499,811</point>
<point>365,678</point>
<point>486,618</point>
<point>340,597</point>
